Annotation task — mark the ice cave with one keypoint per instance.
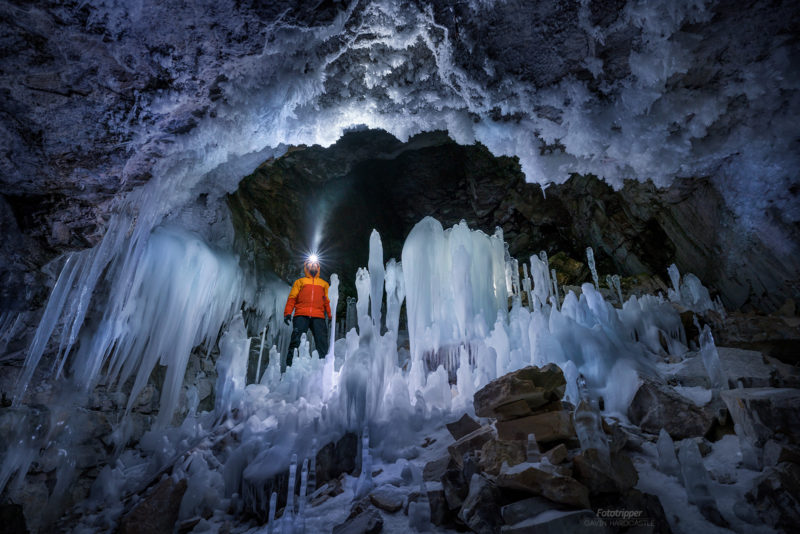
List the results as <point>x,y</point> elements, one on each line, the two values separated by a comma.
<point>350,267</point>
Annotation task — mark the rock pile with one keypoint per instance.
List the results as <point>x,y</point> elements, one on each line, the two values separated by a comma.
<point>495,480</point>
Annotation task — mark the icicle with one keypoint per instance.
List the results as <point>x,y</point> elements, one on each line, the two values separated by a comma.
<point>592,268</point>
<point>618,286</point>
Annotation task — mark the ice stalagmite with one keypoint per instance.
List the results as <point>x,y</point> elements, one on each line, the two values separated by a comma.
<point>376,275</point>
<point>301,508</point>
<point>708,351</point>
<point>667,461</point>
<point>365,484</point>
<point>592,267</point>
<point>395,294</point>
<point>588,425</point>
<point>363,286</point>
<point>231,366</point>
<point>273,503</point>
<point>333,297</point>
<point>288,513</point>
<point>695,480</point>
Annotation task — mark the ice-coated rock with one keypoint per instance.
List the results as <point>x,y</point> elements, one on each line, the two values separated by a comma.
<point>495,453</point>
<point>656,406</point>
<point>480,510</point>
<point>762,412</point>
<point>557,488</point>
<point>471,442</point>
<point>533,386</point>
<point>547,426</point>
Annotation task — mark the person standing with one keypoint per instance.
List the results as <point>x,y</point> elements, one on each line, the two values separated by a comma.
<point>308,299</point>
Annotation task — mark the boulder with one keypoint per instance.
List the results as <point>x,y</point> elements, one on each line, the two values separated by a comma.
<point>557,488</point>
<point>469,443</point>
<point>388,498</point>
<point>558,522</point>
<point>763,412</point>
<point>547,426</point>
<point>158,511</point>
<point>621,475</point>
<point>496,452</point>
<point>434,469</point>
<point>480,511</point>
<point>441,515</point>
<point>528,388</point>
<point>657,406</point>
<point>455,488</point>
<point>462,427</point>
<point>336,458</point>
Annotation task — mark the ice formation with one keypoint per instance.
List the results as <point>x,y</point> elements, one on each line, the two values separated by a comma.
<point>462,335</point>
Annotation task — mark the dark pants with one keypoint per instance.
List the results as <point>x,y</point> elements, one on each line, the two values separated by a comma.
<point>300,326</point>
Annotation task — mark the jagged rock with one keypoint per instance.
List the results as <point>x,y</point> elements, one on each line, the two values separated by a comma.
<point>558,522</point>
<point>526,509</point>
<point>617,437</point>
<point>336,458</point>
<point>367,522</point>
<point>441,514</point>
<point>496,452</point>
<point>787,376</point>
<point>480,511</point>
<point>763,412</point>
<point>388,498</point>
<point>434,469</point>
<point>469,443</point>
<point>547,426</point>
<point>557,454</point>
<point>455,488</point>
<point>621,475</point>
<point>558,488</point>
<point>776,496</point>
<point>158,511</point>
<point>739,365</point>
<point>656,406</point>
<point>530,387</point>
<point>462,427</point>
<point>776,453</point>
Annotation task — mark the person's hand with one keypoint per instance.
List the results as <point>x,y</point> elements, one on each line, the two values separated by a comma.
<point>287,319</point>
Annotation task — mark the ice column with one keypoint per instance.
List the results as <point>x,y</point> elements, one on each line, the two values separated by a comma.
<point>376,275</point>
<point>526,287</point>
<point>541,279</point>
<point>667,461</point>
<point>592,268</point>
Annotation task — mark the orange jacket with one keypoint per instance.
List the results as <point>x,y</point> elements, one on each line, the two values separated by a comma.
<point>308,297</point>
